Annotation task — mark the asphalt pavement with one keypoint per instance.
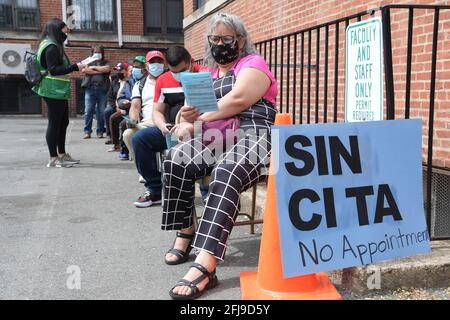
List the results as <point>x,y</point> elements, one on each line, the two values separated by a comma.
<point>74,233</point>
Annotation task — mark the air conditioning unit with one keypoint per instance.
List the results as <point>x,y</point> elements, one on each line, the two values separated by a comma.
<point>11,57</point>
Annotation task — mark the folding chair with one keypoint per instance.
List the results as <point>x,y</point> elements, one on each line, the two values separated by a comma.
<point>251,218</point>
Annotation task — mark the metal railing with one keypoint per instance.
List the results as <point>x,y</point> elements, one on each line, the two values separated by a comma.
<point>290,58</point>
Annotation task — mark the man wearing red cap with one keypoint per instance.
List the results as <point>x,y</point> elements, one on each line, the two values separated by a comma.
<point>142,98</point>
<point>168,100</point>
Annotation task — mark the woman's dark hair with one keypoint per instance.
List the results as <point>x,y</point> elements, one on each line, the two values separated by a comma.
<point>177,54</point>
<point>102,50</point>
<point>53,31</point>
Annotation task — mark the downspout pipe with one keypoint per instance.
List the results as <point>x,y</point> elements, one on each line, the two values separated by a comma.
<point>119,23</point>
<point>64,14</point>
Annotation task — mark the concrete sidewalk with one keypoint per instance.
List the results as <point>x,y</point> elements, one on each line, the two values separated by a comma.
<point>52,219</point>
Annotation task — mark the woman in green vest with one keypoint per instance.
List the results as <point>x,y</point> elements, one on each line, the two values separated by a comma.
<point>55,89</point>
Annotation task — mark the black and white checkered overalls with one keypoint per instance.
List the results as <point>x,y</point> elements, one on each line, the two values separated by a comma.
<point>231,174</point>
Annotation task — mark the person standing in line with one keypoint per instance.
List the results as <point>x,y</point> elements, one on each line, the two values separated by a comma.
<point>55,89</point>
<point>97,85</point>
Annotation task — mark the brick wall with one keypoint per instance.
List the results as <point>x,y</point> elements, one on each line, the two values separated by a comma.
<point>133,10</point>
<point>188,6</point>
<point>266,19</point>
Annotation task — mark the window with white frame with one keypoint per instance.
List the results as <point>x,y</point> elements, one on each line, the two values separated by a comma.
<point>95,15</point>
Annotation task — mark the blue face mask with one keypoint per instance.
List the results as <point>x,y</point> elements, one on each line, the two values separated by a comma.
<point>156,69</point>
<point>177,76</point>
<point>137,74</point>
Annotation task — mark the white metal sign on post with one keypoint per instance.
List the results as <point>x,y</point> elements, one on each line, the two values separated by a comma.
<point>364,71</point>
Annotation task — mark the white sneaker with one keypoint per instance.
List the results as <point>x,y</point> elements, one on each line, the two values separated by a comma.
<point>141,179</point>
<point>67,158</point>
<point>58,163</point>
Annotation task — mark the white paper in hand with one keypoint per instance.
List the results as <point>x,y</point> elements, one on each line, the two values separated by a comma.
<point>199,91</point>
<point>91,59</point>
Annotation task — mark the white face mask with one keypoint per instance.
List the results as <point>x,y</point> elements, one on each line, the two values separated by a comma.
<point>97,56</point>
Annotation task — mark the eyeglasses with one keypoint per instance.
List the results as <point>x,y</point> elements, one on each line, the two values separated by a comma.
<point>225,39</point>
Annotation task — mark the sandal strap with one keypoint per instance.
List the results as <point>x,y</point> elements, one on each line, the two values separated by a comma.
<point>191,285</point>
<point>203,270</point>
<point>178,253</point>
<point>199,279</point>
<point>185,235</point>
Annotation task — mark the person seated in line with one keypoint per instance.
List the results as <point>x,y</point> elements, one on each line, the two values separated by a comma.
<point>245,88</point>
<point>112,96</point>
<point>168,100</point>
<point>123,103</point>
<point>142,97</point>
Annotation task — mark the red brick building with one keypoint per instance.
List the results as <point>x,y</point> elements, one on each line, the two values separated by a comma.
<point>125,28</point>
<point>266,19</point>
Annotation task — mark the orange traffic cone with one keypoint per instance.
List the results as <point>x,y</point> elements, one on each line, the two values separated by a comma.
<point>268,283</point>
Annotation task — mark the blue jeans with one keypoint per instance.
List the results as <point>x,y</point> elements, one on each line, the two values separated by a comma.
<point>146,143</point>
<point>94,96</point>
<point>108,112</point>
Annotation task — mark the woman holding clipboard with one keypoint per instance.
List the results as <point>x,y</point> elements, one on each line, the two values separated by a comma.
<point>55,89</point>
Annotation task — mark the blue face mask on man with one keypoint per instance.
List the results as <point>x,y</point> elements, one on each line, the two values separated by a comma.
<point>156,69</point>
<point>177,75</point>
<point>137,73</point>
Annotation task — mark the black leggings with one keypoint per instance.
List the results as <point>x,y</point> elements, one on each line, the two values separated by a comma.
<point>58,120</point>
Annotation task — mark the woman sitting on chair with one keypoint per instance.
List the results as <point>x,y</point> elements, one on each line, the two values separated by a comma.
<point>245,88</point>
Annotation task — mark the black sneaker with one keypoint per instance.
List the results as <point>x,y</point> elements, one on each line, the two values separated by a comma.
<point>147,199</point>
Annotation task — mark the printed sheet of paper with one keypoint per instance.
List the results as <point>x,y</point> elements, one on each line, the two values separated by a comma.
<point>198,91</point>
<point>91,59</point>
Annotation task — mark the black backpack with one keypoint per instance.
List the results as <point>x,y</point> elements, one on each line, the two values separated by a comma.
<point>32,73</point>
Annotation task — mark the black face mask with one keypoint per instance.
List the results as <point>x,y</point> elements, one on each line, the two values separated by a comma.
<point>121,76</point>
<point>225,53</point>
<point>63,36</point>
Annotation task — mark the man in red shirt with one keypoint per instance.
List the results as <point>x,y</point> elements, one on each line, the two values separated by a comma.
<point>169,98</point>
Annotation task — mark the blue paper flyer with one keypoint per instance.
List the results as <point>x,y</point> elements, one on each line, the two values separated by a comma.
<point>198,91</point>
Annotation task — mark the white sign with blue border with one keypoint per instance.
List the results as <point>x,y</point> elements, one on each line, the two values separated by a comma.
<point>348,194</point>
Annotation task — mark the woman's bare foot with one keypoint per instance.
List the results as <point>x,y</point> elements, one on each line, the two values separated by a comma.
<point>205,259</point>
<point>180,244</point>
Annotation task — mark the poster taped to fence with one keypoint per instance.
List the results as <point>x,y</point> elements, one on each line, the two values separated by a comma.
<point>348,194</point>
<point>364,71</point>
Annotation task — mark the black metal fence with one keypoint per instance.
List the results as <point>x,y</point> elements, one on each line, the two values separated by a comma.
<point>309,67</point>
